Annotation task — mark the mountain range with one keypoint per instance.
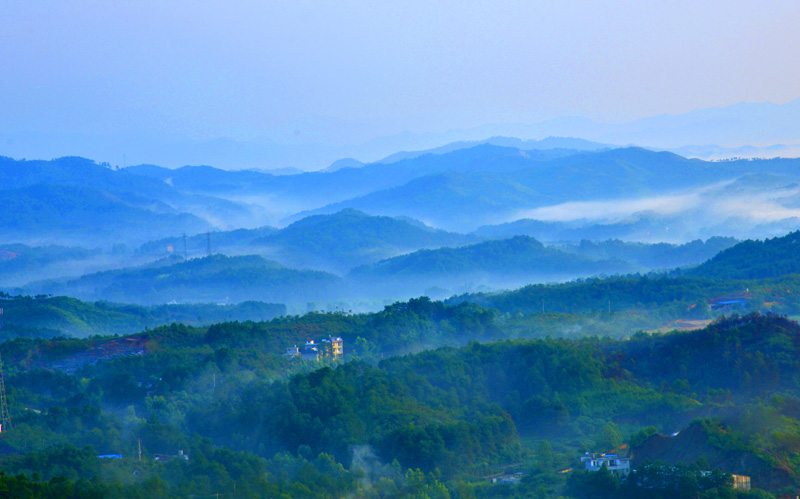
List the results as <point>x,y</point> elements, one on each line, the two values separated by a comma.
<point>758,125</point>
<point>459,190</point>
<point>458,219</point>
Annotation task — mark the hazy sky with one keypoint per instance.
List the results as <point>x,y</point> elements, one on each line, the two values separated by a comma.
<point>349,70</point>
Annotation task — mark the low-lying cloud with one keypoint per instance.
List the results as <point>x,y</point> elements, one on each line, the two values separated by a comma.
<point>714,201</point>
<point>614,209</point>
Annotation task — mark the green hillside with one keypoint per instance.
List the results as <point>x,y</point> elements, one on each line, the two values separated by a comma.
<point>211,279</point>
<point>520,257</point>
<point>349,238</point>
<point>754,259</point>
<point>47,316</point>
<point>434,421</point>
<point>652,256</point>
<point>645,302</point>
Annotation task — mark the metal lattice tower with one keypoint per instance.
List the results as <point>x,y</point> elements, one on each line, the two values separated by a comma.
<point>5,416</point>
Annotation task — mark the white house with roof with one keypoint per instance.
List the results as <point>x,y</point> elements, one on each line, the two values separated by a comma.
<point>617,465</point>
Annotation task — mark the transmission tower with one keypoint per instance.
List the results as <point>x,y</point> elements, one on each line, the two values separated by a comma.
<point>5,416</point>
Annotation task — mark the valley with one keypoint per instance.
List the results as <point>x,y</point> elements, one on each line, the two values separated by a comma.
<point>477,361</point>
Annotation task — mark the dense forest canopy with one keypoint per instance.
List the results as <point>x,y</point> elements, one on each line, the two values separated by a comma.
<point>435,421</point>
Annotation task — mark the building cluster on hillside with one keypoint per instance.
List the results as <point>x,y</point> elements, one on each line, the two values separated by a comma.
<point>621,467</point>
<point>330,348</point>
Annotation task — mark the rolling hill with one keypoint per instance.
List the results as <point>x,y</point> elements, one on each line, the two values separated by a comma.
<point>230,242</point>
<point>212,279</point>
<point>458,190</point>
<point>86,215</point>
<point>336,242</point>
<point>74,200</point>
<point>652,256</point>
<point>754,259</point>
<point>60,315</point>
<point>501,184</point>
<point>502,263</point>
<point>349,238</point>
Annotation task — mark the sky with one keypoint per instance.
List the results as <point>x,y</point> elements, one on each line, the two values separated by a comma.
<point>346,71</point>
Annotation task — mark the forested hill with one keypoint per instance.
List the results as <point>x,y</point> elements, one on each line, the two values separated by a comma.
<point>223,395</point>
<point>17,174</point>
<point>348,238</point>
<point>80,213</point>
<point>754,259</point>
<point>48,316</point>
<point>616,293</point>
<point>211,279</point>
<point>519,258</point>
<point>650,298</point>
<point>332,243</point>
<point>749,355</point>
<point>78,201</point>
<point>652,256</point>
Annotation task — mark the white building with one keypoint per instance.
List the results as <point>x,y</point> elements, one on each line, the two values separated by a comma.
<point>620,466</point>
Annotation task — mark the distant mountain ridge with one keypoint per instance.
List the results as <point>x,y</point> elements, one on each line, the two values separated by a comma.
<point>472,192</point>
<point>459,190</point>
<point>556,146</point>
<point>75,200</point>
<point>314,189</point>
<point>732,126</point>
<point>80,214</point>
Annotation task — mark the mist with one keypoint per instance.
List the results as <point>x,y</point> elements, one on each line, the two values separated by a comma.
<point>715,210</point>
<point>399,249</point>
